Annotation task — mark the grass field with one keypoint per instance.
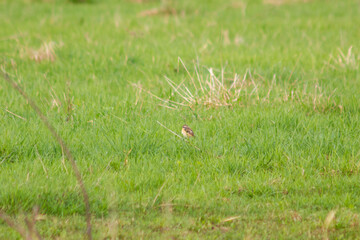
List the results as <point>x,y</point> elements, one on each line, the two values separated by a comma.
<point>279,150</point>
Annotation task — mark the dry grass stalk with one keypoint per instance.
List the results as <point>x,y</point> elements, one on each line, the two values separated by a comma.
<point>69,102</point>
<point>230,219</point>
<point>18,116</point>
<point>138,95</point>
<point>226,38</point>
<point>328,220</point>
<point>153,95</point>
<point>41,161</point>
<point>158,193</point>
<point>55,102</point>
<point>126,160</point>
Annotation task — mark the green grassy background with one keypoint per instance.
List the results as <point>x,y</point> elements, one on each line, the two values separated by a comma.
<point>279,166</point>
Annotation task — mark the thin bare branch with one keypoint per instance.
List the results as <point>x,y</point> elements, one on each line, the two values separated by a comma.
<point>12,224</point>
<point>62,144</point>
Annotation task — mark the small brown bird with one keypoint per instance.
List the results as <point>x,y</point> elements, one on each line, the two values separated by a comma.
<point>187,132</point>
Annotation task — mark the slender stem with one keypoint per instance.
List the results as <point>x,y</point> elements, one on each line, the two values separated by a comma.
<point>63,146</point>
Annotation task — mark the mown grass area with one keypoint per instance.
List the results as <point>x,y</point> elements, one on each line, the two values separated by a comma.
<point>276,163</point>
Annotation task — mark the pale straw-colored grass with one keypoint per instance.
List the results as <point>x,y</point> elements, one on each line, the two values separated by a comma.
<point>207,88</point>
<point>282,2</point>
<point>46,52</point>
<point>217,88</point>
<point>348,60</point>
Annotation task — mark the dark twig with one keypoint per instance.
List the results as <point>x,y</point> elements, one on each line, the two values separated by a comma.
<point>63,146</point>
<point>13,225</point>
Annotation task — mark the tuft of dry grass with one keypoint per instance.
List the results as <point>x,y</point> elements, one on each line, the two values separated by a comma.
<point>217,88</point>
<point>46,52</point>
<point>209,88</point>
<point>348,60</point>
<point>328,222</point>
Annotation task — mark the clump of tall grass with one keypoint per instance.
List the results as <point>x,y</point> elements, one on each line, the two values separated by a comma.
<point>209,88</point>
<point>217,88</point>
<point>46,52</point>
<point>348,60</point>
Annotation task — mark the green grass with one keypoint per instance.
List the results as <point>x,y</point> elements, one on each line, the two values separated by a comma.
<point>279,163</point>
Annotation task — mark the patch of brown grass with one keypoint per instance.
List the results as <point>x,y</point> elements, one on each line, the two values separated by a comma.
<point>46,52</point>
<point>162,11</point>
<point>344,60</point>
<point>282,2</point>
